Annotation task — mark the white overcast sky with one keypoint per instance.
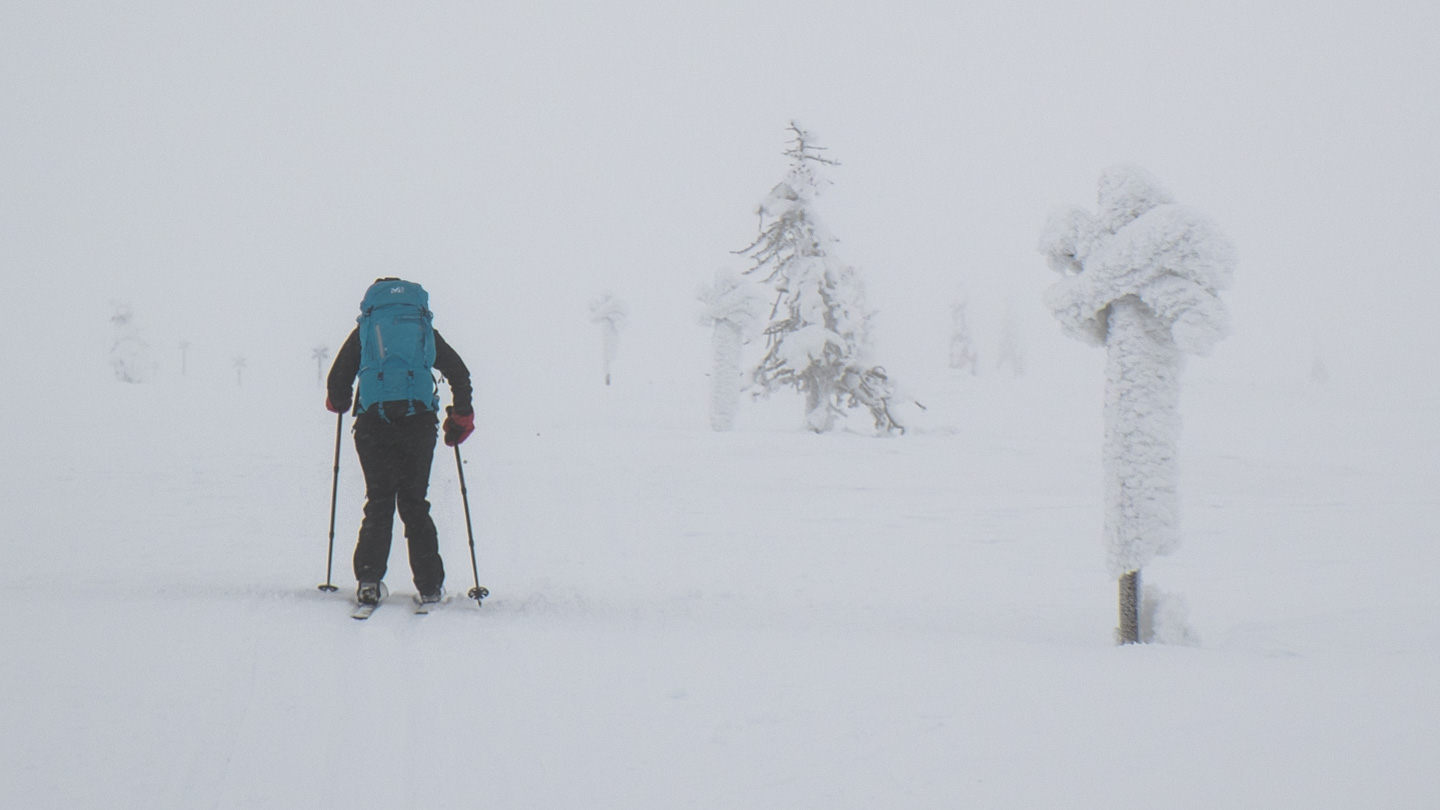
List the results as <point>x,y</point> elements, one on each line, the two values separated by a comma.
<point>237,171</point>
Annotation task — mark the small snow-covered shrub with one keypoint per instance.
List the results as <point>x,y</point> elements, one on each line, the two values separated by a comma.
<point>1165,619</point>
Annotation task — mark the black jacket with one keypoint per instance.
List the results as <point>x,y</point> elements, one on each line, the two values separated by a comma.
<point>341,383</point>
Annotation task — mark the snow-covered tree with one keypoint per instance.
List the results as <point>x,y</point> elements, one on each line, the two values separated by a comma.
<point>239,364</point>
<point>732,305</point>
<point>1142,277</point>
<point>129,353</point>
<point>184,358</point>
<point>319,353</point>
<point>962,342</point>
<point>612,315</point>
<point>1010,353</point>
<point>1319,373</point>
<point>816,338</point>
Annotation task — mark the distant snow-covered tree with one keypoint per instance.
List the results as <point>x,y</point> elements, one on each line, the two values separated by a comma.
<point>1142,277</point>
<point>1010,353</point>
<point>1319,373</point>
<point>184,358</point>
<point>962,342</point>
<point>239,364</point>
<point>732,305</point>
<point>319,353</point>
<point>129,353</point>
<point>816,338</point>
<point>612,315</point>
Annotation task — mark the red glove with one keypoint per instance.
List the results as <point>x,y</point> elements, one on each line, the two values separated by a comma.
<point>333,408</point>
<point>457,427</point>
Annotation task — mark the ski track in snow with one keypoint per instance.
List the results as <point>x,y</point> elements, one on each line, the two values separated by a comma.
<point>764,618</point>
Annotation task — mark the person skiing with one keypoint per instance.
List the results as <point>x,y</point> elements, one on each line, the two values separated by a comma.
<point>391,351</point>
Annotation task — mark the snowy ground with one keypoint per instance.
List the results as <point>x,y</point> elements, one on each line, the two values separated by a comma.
<point>683,619</point>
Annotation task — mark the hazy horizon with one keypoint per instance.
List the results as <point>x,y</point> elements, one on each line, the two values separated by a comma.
<point>238,173</point>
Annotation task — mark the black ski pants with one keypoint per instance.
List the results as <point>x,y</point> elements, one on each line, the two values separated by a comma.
<point>396,455</point>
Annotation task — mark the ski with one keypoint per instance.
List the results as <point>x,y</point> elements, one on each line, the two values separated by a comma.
<point>363,612</point>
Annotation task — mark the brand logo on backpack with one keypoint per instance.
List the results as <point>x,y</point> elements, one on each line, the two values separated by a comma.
<point>397,347</point>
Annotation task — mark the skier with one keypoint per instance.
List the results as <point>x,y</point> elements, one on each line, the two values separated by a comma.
<point>392,351</point>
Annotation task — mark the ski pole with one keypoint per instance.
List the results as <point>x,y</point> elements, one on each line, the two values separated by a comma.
<point>334,490</point>
<point>477,593</point>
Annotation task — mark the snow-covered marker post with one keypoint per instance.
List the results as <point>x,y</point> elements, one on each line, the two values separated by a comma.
<point>1141,277</point>
<point>732,305</point>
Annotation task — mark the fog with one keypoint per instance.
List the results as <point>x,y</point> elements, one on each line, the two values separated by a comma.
<point>238,172</point>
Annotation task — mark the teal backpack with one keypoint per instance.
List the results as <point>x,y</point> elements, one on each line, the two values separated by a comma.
<point>397,346</point>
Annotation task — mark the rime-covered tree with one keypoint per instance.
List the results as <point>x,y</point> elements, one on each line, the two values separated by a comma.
<point>239,365</point>
<point>1140,277</point>
<point>129,353</point>
<point>1319,373</point>
<point>612,315</point>
<point>319,353</point>
<point>732,306</point>
<point>184,358</point>
<point>1010,352</point>
<point>816,338</point>
<point>962,342</point>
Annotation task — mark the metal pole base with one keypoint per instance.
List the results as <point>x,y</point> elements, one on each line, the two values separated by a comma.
<point>479,593</point>
<point>328,588</point>
<point>1129,630</point>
